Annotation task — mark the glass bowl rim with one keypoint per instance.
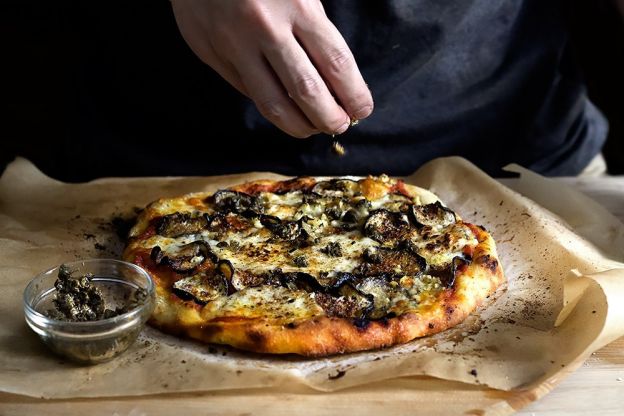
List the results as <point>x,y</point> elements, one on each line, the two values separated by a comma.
<point>30,310</point>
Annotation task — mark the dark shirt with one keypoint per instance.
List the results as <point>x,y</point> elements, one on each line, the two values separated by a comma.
<point>492,81</point>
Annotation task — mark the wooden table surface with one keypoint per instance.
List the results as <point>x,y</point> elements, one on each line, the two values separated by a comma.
<point>596,388</point>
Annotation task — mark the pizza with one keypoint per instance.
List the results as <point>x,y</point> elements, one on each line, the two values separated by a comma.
<point>312,266</point>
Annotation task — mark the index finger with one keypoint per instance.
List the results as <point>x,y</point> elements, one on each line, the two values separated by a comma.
<point>335,62</point>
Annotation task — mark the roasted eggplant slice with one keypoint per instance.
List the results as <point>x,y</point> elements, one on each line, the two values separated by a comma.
<point>389,228</point>
<point>448,275</point>
<point>238,279</point>
<point>201,288</point>
<point>380,290</point>
<point>350,304</point>
<point>388,261</point>
<point>337,280</point>
<point>238,202</point>
<point>285,230</point>
<point>300,281</point>
<point>175,225</point>
<point>337,187</point>
<point>433,215</point>
<point>183,259</point>
<point>242,279</point>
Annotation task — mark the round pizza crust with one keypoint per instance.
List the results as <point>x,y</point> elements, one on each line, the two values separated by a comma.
<point>319,335</point>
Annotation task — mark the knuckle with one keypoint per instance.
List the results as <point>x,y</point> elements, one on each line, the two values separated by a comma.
<point>307,87</point>
<point>272,109</point>
<point>259,22</point>
<point>305,9</point>
<point>339,60</point>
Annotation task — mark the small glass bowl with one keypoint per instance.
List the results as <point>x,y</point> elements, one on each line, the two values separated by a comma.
<point>98,341</point>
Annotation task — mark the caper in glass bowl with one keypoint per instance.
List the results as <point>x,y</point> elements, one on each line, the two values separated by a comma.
<point>90,310</point>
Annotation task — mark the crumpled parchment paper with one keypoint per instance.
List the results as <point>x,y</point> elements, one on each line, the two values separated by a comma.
<point>564,297</point>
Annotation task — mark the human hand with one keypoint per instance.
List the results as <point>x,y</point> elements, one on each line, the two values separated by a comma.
<point>285,55</point>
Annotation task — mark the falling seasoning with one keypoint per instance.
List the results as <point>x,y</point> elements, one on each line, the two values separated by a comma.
<point>338,149</point>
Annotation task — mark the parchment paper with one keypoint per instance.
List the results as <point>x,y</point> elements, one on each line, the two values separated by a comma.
<point>564,297</point>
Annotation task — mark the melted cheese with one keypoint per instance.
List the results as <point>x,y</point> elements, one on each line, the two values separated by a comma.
<point>266,301</point>
<point>255,249</point>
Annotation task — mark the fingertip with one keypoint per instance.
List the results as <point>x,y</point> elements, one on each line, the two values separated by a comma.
<point>343,127</point>
<point>363,112</point>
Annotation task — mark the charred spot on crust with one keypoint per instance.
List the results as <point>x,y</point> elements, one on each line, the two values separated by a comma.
<point>488,261</point>
<point>434,214</point>
<point>183,259</point>
<point>178,224</point>
<point>256,338</point>
<point>386,227</point>
<point>361,323</point>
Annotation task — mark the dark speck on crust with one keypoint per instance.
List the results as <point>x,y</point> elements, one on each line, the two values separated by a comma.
<point>336,376</point>
<point>256,338</point>
<point>489,262</point>
<point>473,372</point>
<point>361,323</point>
